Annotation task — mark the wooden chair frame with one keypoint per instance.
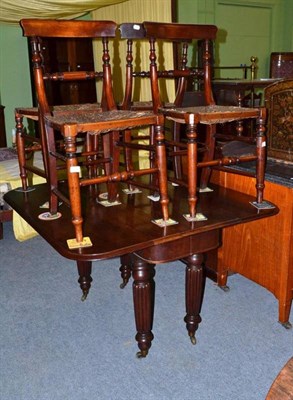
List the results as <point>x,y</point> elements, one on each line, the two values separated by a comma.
<point>209,115</point>
<point>105,123</point>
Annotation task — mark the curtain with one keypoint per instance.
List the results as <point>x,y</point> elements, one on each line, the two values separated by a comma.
<point>138,11</point>
<point>12,11</point>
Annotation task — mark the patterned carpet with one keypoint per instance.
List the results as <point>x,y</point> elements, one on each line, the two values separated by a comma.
<point>7,154</point>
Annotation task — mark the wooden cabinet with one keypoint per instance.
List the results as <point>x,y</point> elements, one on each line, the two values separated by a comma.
<point>263,250</point>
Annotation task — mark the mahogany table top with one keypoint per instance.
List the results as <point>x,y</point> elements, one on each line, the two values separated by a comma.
<point>128,227</point>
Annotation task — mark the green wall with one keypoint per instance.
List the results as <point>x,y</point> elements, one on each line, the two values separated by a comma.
<point>246,28</point>
<point>15,89</point>
<point>14,64</point>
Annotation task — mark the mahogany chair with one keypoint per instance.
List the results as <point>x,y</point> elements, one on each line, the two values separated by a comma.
<point>133,141</point>
<point>104,124</point>
<point>27,144</point>
<point>60,92</point>
<point>135,35</point>
<point>207,116</point>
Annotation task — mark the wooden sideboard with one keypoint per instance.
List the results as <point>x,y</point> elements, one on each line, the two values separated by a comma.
<point>262,251</point>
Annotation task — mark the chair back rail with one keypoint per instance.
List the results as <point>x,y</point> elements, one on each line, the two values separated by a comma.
<point>77,29</point>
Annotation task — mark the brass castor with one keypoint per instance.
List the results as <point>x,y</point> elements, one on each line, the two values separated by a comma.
<point>84,296</point>
<point>142,353</point>
<point>193,339</point>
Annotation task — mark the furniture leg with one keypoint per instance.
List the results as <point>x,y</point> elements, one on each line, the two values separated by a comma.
<point>162,169</point>
<point>221,272</point>
<point>49,145</point>
<point>84,270</point>
<point>261,157</point>
<point>21,150</point>
<point>112,151</point>
<point>284,313</point>
<point>128,155</point>
<point>194,291</point>
<point>209,154</point>
<point>143,299</point>
<point>74,187</point>
<point>125,269</point>
<point>192,167</point>
<point>177,161</point>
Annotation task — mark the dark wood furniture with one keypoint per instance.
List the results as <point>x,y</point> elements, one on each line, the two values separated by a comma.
<point>60,55</point>
<point>208,116</point>
<point>127,231</point>
<point>233,91</point>
<point>103,124</point>
<point>282,387</point>
<point>242,93</point>
<point>137,229</point>
<point>3,142</point>
<point>281,65</point>
<point>64,55</point>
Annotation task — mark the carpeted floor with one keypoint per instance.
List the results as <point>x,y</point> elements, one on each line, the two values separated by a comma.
<point>53,346</point>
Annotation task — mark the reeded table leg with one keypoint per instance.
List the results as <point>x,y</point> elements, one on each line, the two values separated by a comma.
<point>143,298</point>
<point>194,290</point>
<point>85,279</point>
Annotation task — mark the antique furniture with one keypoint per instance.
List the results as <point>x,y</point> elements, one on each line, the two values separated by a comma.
<point>28,143</point>
<point>64,55</point>
<point>209,115</point>
<point>273,266</point>
<point>105,123</point>
<point>59,54</point>
<point>128,231</point>
<point>3,142</point>
<point>282,387</point>
<point>281,65</point>
<point>278,99</point>
<point>137,97</point>
<point>233,91</point>
<point>242,93</point>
